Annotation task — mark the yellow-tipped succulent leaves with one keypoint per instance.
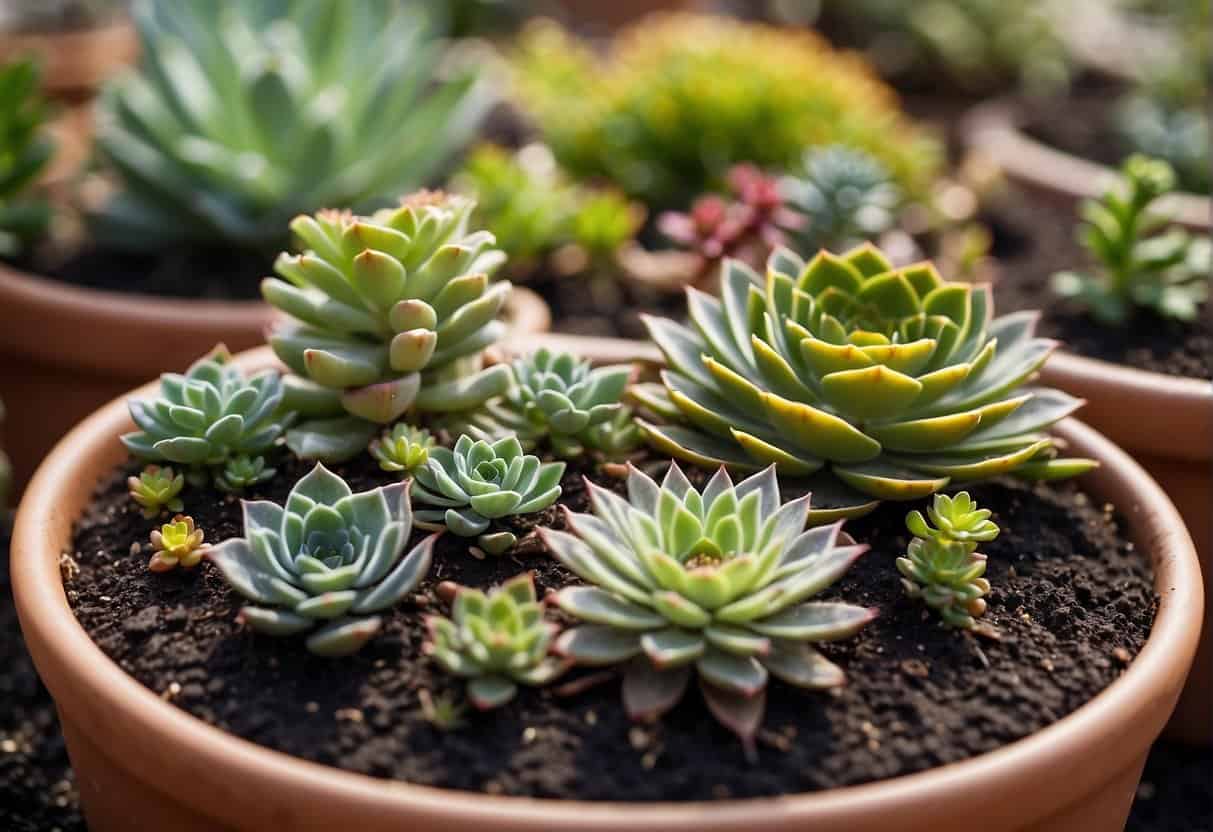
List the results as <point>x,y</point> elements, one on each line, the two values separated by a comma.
<point>177,543</point>
<point>156,490</point>
<point>403,449</point>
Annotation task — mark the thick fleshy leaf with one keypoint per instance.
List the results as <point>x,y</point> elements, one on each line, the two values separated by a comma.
<point>599,607</point>
<point>343,637</point>
<point>648,693</point>
<point>488,692</point>
<point>799,664</point>
<point>595,645</point>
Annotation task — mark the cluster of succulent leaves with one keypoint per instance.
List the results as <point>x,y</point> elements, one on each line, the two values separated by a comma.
<point>325,562</point>
<point>245,114</point>
<point>1140,262</point>
<point>156,490</point>
<point>477,482</point>
<point>176,543</point>
<point>843,196</point>
<point>390,317</point>
<point>242,472</point>
<point>942,565</point>
<point>678,99</point>
<point>24,153</point>
<point>715,582</point>
<point>212,419</point>
<point>403,449</point>
<point>894,378</point>
<point>496,641</point>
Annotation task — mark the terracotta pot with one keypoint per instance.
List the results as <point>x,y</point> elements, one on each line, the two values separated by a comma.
<point>64,350</point>
<point>994,131</point>
<point>1166,423</point>
<point>75,63</point>
<point>143,764</point>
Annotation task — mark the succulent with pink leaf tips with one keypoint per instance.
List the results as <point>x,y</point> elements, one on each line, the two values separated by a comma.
<point>714,583</point>
<point>178,543</point>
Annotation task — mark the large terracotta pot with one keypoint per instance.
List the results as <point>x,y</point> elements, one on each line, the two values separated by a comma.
<point>65,351</point>
<point>143,764</point>
<point>75,63</point>
<point>1166,423</point>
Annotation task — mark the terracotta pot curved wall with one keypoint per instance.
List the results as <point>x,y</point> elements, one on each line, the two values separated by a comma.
<point>75,63</point>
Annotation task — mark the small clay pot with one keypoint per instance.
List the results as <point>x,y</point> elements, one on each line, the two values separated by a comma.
<point>75,62</point>
<point>142,763</point>
<point>993,130</point>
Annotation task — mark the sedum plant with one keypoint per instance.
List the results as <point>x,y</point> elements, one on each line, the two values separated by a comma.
<point>478,482</point>
<point>496,641</point>
<point>325,562</point>
<point>25,151</point>
<point>177,543</point>
<point>942,565</point>
<point>1138,264</point>
<point>156,490</point>
<point>843,198</point>
<point>390,316</point>
<point>717,581</point>
<point>209,416</point>
<point>243,115</point>
<point>893,379</point>
<point>403,449</point>
<point>242,472</point>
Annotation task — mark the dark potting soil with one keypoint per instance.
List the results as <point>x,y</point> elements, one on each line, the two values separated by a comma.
<point>1176,791</point>
<point>1072,602</point>
<point>605,305</point>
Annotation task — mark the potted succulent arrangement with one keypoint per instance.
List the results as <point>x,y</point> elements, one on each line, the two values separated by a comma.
<point>520,587</point>
<point>238,119</point>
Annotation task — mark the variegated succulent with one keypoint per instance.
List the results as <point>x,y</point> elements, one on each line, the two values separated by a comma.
<point>328,559</point>
<point>177,543</point>
<point>156,490</point>
<point>403,449</point>
<point>208,416</point>
<point>496,641</point>
<point>391,315</point>
<point>718,581</point>
<point>894,378</point>
<point>478,482</point>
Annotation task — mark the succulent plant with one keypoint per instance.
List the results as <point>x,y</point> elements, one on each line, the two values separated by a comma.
<point>1138,264</point>
<point>329,559</point>
<point>391,315</point>
<point>896,379</point>
<point>478,482</point>
<point>717,580</point>
<point>242,472</point>
<point>156,490</point>
<point>942,565</point>
<point>403,449</point>
<point>616,438</point>
<point>844,197</point>
<point>246,114</point>
<point>177,543</point>
<point>208,416</point>
<point>674,102</point>
<point>24,153</point>
<point>496,641</point>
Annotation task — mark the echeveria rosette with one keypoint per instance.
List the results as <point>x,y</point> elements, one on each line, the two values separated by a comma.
<point>478,482</point>
<point>403,449</point>
<point>894,380</point>
<point>390,315</point>
<point>843,196</point>
<point>496,641</point>
<point>718,581</point>
<point>326,561</point>
<point>209,415</point>
<point>155,490</point>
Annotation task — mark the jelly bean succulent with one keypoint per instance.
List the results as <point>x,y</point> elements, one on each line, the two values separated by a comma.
<point>478,482</point>
<point>325,562</point>
<point>178,543</point>
<point>717,581</point>
<point>892,379</point>
<point>496,641</point>
<point>24,153</point>
<point>242,472</point>
<point>844,197</point>
<point>208,416</point>
<point>403,449</point>
<point>246,114</point>
<point>156,490</point>
<point>942,565</point>
<point>390,316</point>
<point>1139,264</point>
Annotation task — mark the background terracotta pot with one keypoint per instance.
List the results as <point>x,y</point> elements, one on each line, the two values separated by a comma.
<point>75,63</point>
<point>65,351</point>
<point>994,131</point>
<point>1166,423</point>
<point>143,764</point>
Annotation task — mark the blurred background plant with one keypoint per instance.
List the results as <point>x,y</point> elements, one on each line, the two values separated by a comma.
<point>844,196</point>
<point>25,150</point>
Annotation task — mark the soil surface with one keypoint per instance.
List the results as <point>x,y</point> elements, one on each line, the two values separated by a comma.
<point>1072,602</point>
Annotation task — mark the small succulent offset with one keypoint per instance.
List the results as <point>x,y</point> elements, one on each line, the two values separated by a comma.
<point>496,641</point>
<point>329,558</point>
<point>478,482</point>
<point>390,315</point>
<point>156,490</point>
<point>1139,265</point>
<point>208,416</point>
<point>844,197</point>
<point>242,472</point>
<point>718,581</point>
<point>24,153</point>
<point>177,543</point>
<point>942,565</point>
<point>403,449</point>
<point>897,380</point>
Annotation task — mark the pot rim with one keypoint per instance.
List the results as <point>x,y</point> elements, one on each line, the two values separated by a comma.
<point>245,774</point>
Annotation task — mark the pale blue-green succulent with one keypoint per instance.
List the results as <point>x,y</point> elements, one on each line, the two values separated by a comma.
<point>243,472</point>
